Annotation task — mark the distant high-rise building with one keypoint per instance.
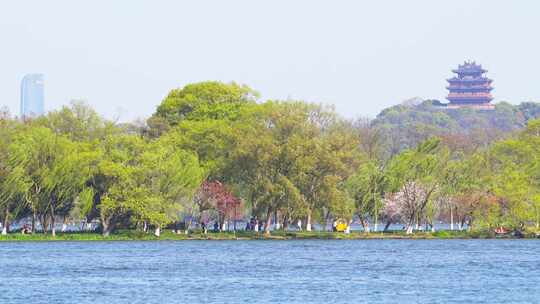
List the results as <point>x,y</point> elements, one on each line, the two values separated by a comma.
<point>32,96</point>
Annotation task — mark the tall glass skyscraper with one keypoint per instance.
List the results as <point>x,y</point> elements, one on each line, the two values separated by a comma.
<point>32,96</point>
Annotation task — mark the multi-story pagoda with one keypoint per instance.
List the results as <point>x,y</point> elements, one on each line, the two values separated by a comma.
<point>469,88</point>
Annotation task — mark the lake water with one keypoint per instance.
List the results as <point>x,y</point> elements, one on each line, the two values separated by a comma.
<point>310,271</point>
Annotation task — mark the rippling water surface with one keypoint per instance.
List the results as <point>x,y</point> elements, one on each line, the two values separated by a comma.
<point>382,271</point>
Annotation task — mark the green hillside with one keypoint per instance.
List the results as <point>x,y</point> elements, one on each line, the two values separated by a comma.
<point>406,125</point>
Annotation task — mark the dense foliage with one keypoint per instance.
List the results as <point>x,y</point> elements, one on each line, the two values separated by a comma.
<point>406,125</point>
<point>213,153</point>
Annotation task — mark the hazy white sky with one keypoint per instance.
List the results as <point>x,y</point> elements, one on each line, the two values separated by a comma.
<point>362,56</point>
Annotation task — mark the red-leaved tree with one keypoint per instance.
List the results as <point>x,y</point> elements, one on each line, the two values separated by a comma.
<point>216,200</point>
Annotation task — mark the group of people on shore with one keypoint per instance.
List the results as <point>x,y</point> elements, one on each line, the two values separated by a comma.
<point>254,225</point>
<point>216,228</point>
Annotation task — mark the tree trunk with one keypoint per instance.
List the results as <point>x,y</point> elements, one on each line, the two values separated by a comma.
<point>108,225</point>
<point>348,229</point>
<point>451,218</point>
<point>537,219</point>
<point>158,231</point>
<point>388,223</point>
<point>268,221</point>
<point>364,223</point>
<point>188,225</point>
<point>376,220</point>
<point>44,223</point>
<point>53,222</point>
<point>33,222</point>
<point>410,224</point>
<point>106,232</point>
<point>5,224</point>
<point>285,223</point>
<point>308,221</point>
<point>410,229</point>
<point>221,222</point>
<point>64,224</point>
<point>432,226</point>
<point>276,219</point>
<point>327,221</point>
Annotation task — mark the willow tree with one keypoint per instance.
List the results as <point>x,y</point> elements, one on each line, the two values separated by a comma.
<point>66,180</point>
<point>134,181</point>
<point>11,185</point>
<point>165,181</point>
<point>111,180</point>
<point>515,171</point>
<point>415,175</point>
<point>52,168</point>
<point>291,159</point>
<point>463,187</point>
<point>264,160</point>
<point>324,162</point>
<point>368,187</point>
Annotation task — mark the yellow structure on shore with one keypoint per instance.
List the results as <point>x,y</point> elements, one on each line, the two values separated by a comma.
<point>341,225</point>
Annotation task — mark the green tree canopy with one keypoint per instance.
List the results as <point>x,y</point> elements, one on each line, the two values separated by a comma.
<point>205,100</point>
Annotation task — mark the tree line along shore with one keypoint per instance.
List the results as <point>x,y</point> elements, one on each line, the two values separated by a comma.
<point>241,235</point>
<point>213,154</point>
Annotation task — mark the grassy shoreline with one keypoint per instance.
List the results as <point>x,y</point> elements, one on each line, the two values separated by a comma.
<point>131,235</point>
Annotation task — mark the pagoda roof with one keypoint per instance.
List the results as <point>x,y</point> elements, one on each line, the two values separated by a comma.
<point>469,67</point>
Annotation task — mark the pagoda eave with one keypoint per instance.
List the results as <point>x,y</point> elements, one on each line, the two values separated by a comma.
<point>461,80</point>
<point>467,71</point>
<point>475,106</point>
<point>469,100</point>
<point>459,89</point>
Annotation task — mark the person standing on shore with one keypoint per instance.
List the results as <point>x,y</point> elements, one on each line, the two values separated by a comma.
<point>256,225</point>
<point>204,227</point>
